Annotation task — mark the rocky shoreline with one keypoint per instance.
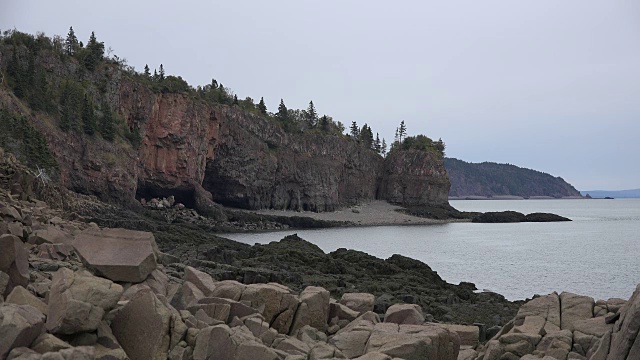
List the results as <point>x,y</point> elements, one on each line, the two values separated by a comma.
<point>75,284</point>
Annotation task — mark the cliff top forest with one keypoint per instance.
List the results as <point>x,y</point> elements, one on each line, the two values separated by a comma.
<point>75,96</point>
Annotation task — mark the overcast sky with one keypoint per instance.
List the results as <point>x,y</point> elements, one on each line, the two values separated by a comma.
<point>552,85</point>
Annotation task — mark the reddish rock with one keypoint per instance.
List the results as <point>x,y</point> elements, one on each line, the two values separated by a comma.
<point>118,254</point>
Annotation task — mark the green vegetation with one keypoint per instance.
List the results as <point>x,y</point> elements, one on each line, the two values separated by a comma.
<point>491,179</point>
<point>30,147</point>
<point>418,142</point>
<point>71,93</point>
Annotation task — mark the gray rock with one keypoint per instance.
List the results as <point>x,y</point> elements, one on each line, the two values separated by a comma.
<point>14,261</point>
<point>360,302</point>
<point>20,325</point>
<point>313,309</point>
<point>118,254</point>
<point>410,314</point>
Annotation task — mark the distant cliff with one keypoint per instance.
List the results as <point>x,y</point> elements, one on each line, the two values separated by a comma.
<point>491,179</point>
<point>108,131</point>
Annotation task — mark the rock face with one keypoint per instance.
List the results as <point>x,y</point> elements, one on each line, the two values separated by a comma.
<point>244,159</point>
<point>569,327</point>
<point>118,254</point>
<point>258,165</point>
<point>414,177</point>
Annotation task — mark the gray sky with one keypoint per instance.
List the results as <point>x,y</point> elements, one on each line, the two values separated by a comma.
<point>552,85</point>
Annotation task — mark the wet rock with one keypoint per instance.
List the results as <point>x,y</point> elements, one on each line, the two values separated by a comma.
<point>118,254</point>
<point>78,301</point>
<point>20,325</point>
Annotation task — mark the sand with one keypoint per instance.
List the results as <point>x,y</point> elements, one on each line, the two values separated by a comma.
<point>376,212</point>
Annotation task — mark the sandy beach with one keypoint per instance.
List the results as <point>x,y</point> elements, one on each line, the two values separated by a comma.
<point>377,212</point>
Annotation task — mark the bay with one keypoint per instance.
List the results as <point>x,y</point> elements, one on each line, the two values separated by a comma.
<point>596,254</point>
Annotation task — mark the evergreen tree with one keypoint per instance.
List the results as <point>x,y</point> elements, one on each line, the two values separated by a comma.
<point>88,117</point>
<point>376,144</point>
<point>312,115</point>
<point>161,73</point>
<point>366,136</point>
<point>71,43</point>
<point>324,123</point>
<point>71,101</point>
<point>235,100</point>
<point>107,125</point>
<point>261,106</point>
<point>155,75</point>
<point>402,131</point>
<point>355,132</point>
<point>147,72</point>
<point>283,112</point>
<point>383,147</point>
<point>95,52</point>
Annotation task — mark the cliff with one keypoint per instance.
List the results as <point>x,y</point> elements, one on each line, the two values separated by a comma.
<point>172,140</point>
<point>491,179</point>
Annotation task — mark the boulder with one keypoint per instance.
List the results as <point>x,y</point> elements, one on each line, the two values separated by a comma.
<point>78,301</point>
<point>20,325</point>
<point>313,309</point>
<point>414,342</point>
<point>236,308</point>
<point>142,327</point>
<point>107,346</point>
<point>218,312</point>
<point>575,307</point>
<point>228,289</point>
<point>9,213</point>
<point>223,343</point>
<point>48,343</point>
<point>21,296</point>
<point>74,353</point>
<point>532,324</point>
<point>469,334</point>
<point>556,343</point>
<point>187,295</point>
<point>261,330</point>
<point>203,281</point>
<point>625,338</point>
<point>352,339</point>
<point>4,284</point>
<point>276,303</point>
<point>360,302</point>
<point>337,310</point>
<point>14,261</point>
<point>546,307</point>
<point>50,234</point>
<point>118,254</point>
<point>410,314</point>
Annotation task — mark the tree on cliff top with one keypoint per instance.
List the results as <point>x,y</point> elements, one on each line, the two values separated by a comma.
<point>311,115</point>
<point>94,52</point>
<point>261,106</point>
<point>161,73</point>
<point>71,44</point>
<point>354,131</point>
<point>283,112</point>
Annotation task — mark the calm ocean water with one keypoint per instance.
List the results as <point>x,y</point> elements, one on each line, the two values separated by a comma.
<point>597,254</point>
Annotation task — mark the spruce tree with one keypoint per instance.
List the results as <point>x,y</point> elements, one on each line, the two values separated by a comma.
<point>402,131</point>
<point>107,125</point>
<point>88,117</point>
<point>161,73</point>
<point>376,144</point>
<point>147,72</point>
<point>71,43</point>
<point>95,52</point>
<point>383,147</point>
<point>261,106</point>
<point>355,132</point>
<point>283,112</point>
<point>235,99</point>
<point>324,123</point>
<point>312,114</point>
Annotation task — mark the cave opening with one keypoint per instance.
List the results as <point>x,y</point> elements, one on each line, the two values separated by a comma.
<point>183,195</point>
